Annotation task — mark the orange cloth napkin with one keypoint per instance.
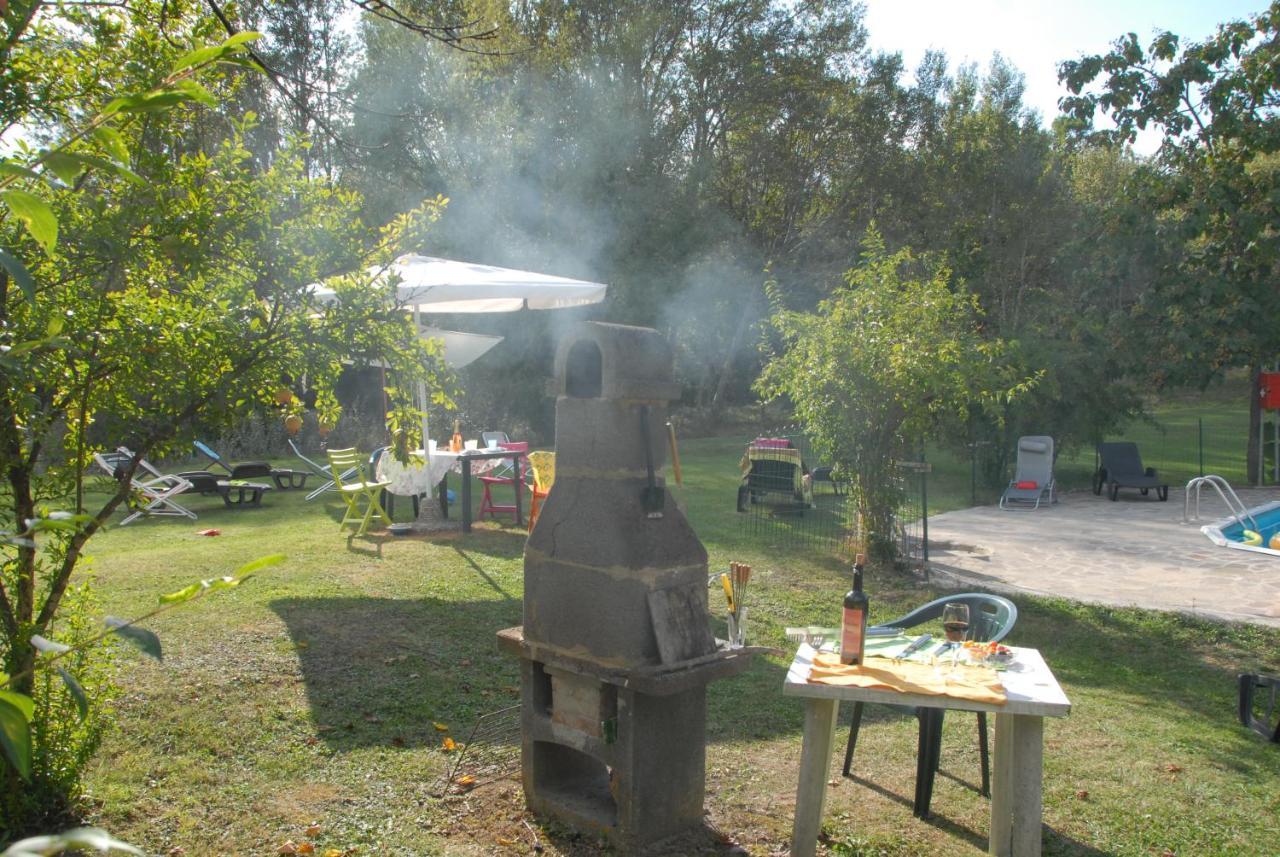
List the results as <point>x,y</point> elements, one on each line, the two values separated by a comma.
<point>973,683</point>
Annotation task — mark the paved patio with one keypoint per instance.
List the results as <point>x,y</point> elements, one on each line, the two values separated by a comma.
<point>1133,552</point>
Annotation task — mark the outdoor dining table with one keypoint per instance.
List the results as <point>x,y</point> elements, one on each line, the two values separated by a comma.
<point>428,470</point>
<point>1032,694</point>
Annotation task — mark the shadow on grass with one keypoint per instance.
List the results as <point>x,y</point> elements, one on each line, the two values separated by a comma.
<point>382,671</point>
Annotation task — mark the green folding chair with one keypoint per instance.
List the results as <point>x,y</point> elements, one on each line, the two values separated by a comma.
<point>353,483</point>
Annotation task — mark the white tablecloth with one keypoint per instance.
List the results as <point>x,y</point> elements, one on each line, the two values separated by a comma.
<point>423,473</point>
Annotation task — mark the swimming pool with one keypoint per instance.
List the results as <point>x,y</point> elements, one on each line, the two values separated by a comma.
<point>1230,533</point>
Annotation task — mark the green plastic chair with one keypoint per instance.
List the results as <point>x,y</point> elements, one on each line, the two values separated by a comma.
<point>991,618</point>
<point>353,483</point>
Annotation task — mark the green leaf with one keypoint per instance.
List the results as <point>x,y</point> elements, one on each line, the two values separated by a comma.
<point>19,273</point>
<point>113,141</point>
<point>108,166</point>
<point>199,56</point>
<point>220,583</point>
<point>65,166</point>
<point>35,214</point>
<point>15,738</point>
<point>242,38</point>
<point>46,647</point>
<point>25,705</point>
<point>84,838</point>
<point>184,594</point>
<point>77,692</point>
<point>258,564</point>
<point>197,93</point>
<point>147,642</point>
<point>9,168</point>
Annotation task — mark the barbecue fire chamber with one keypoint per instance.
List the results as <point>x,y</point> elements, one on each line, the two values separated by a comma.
<point>616,648</point>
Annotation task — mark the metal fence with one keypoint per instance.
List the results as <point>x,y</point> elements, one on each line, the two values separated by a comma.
<point>792,505</point>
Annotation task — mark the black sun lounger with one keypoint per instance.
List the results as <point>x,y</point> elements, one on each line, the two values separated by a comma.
<point>1120,466</point>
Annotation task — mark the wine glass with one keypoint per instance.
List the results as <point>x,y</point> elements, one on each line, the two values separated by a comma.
<point>955,622</point>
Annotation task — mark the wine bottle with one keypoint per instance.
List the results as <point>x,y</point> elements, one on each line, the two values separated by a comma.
<point>853,628</point>
<point>455,442</point>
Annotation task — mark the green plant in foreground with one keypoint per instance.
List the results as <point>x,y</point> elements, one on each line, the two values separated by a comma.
<point>18,710</point>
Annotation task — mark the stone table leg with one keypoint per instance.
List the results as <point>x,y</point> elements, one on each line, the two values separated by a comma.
<point>1016,786</point>
<point>815,758</point>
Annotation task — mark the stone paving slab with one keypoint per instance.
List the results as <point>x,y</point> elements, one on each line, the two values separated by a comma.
<point>1133,552</point>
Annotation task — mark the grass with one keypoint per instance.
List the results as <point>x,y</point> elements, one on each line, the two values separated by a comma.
<point>310,696</point>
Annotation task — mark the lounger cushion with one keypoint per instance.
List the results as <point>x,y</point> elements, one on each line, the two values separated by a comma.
<point>1033,445</point>
<point>1027,484</point>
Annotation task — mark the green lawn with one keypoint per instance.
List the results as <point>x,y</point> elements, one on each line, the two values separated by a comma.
<point>310,694</point>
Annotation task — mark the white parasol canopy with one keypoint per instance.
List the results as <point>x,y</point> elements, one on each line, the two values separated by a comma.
<point>431,284</point>
<point>461,349</point>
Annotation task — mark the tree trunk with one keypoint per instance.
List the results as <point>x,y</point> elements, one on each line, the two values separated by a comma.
<point>1253,452</point>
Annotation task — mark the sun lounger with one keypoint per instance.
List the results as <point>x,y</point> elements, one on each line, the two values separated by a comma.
<point>1120,466</point>
<point>1032,482</point>
<point>283,477</point>
<point>153,491</point>
<point>322,471</point>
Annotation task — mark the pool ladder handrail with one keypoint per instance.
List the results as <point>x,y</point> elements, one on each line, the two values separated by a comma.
<point>1234,505</point>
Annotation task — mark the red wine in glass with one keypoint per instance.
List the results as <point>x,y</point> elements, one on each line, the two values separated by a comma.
<point>955,621</point>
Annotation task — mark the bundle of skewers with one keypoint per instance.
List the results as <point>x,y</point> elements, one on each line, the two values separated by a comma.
<point>734,582</point>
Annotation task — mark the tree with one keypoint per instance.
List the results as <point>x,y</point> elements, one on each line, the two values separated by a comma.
<point>153,276</point>
<point>879,365</point>
<point>1214,186</point>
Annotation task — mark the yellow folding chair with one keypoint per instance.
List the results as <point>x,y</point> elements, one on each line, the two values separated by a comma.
<point>353,482</point>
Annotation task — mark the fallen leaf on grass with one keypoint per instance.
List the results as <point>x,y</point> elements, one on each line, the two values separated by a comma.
<point>209,532</point>
<point>1082,794</point>
<point>448,745</point>
<point>287,848</point>
<point>333,852</point>
<point>311,741</point>
<point>306,848</point>
<point>440,727</point>
<point>502,840</point>
<point>373,718</point>
<point>1173,769</point>
<point>313,831</point>
<point>302,644</point>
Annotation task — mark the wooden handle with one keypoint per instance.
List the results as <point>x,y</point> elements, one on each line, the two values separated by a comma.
<point>675,455</point>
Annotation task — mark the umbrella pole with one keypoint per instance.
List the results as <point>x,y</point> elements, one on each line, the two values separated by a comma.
<point>422,389</point>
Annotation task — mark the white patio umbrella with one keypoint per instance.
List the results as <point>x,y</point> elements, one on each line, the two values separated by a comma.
<point>461,349</point>
<point>431,284</point>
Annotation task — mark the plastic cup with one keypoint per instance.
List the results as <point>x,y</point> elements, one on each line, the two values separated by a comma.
<point>492,443</point>
<point>471,444</point>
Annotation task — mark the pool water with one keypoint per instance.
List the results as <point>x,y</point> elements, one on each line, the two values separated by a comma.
<point>1230,533</point>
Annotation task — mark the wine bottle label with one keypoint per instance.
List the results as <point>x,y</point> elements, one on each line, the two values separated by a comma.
<point>851,636</point>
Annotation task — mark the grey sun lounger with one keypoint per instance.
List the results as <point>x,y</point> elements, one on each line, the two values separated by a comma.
<point>1120,466</point>
<point>1032,482</point>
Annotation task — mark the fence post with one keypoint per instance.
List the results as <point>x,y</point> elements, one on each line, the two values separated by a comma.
<point>924,510</point>
<point>1200,421</point>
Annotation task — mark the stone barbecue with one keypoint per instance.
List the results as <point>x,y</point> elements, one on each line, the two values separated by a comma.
<point>616,646</point>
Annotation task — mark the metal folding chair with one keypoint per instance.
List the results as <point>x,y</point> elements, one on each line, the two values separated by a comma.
<point>328,483</point>
<point>154,492</point>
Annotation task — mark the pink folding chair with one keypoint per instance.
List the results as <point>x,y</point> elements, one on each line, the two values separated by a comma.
<point>487,506</point>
